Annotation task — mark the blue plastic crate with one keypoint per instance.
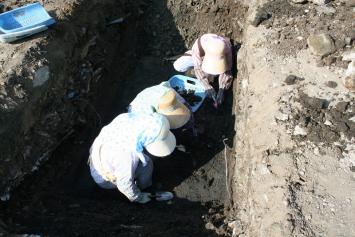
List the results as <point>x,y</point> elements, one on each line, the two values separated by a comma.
<point>7,38</point>
<point>188,83</point>
<point>24,18</point>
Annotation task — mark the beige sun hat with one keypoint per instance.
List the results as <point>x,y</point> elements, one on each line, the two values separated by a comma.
<point>177,113</point>
<point>214,61</point>
<point>165,143</point>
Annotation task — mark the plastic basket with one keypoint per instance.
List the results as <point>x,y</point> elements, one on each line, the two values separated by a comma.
<point>25,17</point>
<point>188,83</point>
<point>7,38</point>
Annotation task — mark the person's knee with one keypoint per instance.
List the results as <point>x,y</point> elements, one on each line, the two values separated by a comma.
<point>144,180</point>
<point>179,67</point>
<point>183,64</point>
<point>145,183</point>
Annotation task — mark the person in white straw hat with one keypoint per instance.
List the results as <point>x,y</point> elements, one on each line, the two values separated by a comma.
<point>164,100</point>
<point>116,157</point>
<point>211,55</point>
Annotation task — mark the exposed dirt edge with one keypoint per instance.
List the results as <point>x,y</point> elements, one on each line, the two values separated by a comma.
<point>45,115</point>
<point>286,182</point>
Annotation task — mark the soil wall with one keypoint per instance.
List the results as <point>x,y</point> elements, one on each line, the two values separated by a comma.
<point>294,148</point>
<point>42,80</point>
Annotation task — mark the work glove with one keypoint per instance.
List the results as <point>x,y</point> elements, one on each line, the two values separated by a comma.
<point>143,198</point>
<point>211,93</point>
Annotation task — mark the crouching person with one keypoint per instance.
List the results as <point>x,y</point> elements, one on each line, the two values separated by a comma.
<point>164,100</point>
<point>210,56</point>
<point>116,156</point>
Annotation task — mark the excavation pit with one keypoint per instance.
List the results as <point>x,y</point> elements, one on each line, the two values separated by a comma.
<point>61,199</point>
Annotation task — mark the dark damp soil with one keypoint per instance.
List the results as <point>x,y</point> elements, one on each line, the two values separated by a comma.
<point>61,198</point>
<point>189,96</point>
<point>324,123</point>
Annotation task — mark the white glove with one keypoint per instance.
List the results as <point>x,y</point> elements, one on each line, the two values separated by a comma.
<point>143,198</point>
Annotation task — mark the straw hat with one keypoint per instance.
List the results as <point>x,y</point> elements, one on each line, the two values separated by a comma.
<point>214,61</point>
<point>177,113</point>
<point>165,143</point>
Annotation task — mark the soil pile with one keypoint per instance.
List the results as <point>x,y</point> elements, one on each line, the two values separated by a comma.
<point>189,96</point>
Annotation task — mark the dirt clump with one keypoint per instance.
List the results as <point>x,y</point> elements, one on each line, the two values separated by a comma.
<point>292,79</point>
<point>326,125</point>
<point>189,95</point>
<point>261,15</point>
<point>331,84</point>
<point>319,120</point>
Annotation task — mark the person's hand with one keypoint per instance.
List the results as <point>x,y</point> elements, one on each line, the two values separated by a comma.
<point>143,198</point>
<point>211,93</point>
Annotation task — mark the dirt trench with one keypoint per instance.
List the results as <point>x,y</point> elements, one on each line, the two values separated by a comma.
<point>61,199</point>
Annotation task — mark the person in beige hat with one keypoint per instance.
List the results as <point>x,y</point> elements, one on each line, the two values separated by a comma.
<point>211,55</point>
<point>164,100</point>
<point>175,111</point>
<point>118,158</point>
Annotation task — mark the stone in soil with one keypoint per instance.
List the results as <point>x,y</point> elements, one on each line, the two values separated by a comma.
<point>41,76</point>
<point>340,43</point>
<point>299,131</point>
<point>349,82</point>
<point>329,11</point>
<point>320,2</point>
<point>260,16</point>
<point>348,40</point>
<point>281,116</point>
<point>329,60</point>
<point>292,79</point>
<point>314,103</point>
<point>321,44</point>
<point>342,106</point>
<point>299,1</point>
<point>331,84</point>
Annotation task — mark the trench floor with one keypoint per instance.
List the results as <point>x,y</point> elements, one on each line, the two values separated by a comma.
<point>61,199</point>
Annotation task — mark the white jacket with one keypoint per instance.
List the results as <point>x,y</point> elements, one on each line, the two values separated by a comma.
<point>116,152</point>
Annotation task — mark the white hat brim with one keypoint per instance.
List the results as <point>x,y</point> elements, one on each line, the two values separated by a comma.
<point>164,147</point>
